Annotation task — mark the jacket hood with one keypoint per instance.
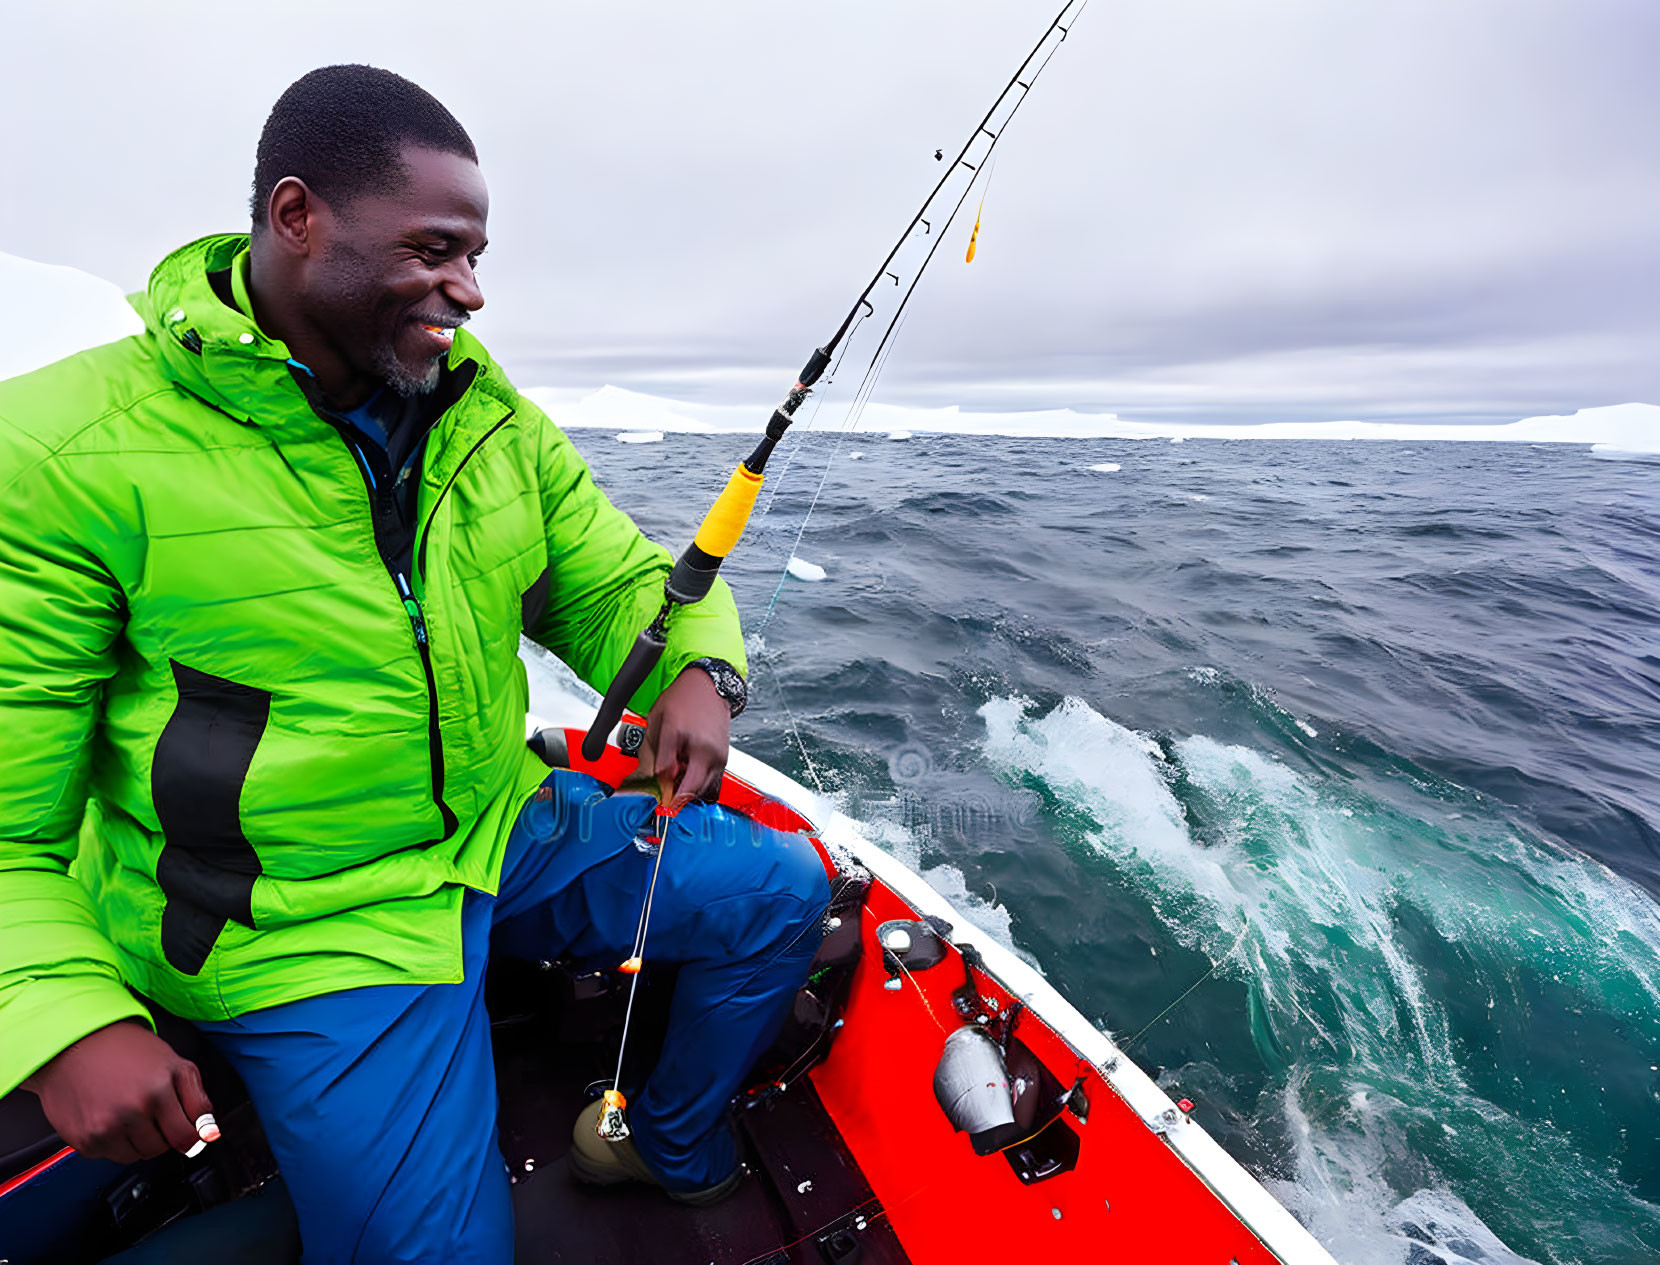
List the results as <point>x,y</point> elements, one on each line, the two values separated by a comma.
<point>211,346</point>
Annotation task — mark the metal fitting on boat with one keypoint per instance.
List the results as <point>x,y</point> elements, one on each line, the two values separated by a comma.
<point>971,1082</point>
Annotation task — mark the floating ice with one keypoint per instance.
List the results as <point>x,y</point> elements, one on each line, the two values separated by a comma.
<point>899,434</point>
<point>801,569</point>
<point>1108,467</point>
<point>855,456</point>
<point>1178,439</point>
<point>640,437</point>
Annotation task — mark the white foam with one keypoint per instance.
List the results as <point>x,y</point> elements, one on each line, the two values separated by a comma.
<point>1297,893</point>
<point>1107,467</point>
<point>1345,1201</point>
<point>1308,729</point>
<point>57,312</point>
<point>985,915</point>
<point>855,456</point>
<point>801,569</point>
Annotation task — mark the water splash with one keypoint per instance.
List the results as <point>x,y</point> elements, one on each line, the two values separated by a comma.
<point>1422,1121</point>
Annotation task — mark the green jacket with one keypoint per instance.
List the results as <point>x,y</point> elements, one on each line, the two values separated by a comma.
<point>238,765</point>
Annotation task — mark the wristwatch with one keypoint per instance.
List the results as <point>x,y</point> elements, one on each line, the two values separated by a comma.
<point>729,684</point>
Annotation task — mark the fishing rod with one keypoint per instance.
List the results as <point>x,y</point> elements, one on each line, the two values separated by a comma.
<point>694,572</point>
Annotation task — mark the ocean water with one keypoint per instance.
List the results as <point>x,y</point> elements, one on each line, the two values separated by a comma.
<point>1325,776</point>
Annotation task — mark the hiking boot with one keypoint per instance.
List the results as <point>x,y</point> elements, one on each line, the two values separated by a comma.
<point>601,1163</point>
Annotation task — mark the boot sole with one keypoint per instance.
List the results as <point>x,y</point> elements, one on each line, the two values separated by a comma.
<point>591,1176</point>
<point>584,1172</point>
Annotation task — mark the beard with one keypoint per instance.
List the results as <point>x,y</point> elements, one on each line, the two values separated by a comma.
<point>385,362</point>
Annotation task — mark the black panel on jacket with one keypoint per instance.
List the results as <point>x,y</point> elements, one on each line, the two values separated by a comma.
<point>207,866</point>
<point>533,603</point>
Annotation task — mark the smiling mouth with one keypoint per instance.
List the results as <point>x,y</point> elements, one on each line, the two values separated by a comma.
<point>440,336</point>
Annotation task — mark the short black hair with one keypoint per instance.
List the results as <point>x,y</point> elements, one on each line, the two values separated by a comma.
<point>343,130</point>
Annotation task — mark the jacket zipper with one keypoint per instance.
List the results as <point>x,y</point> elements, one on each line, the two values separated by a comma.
<point>435,739</point>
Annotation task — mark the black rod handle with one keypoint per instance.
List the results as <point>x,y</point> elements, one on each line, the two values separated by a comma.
<point>648,649</point>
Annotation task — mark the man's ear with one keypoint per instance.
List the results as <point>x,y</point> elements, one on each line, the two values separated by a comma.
<point>291,216</point>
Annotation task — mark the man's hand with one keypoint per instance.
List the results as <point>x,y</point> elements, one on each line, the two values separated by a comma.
<point>122,1094</point>
<point>688,734</point>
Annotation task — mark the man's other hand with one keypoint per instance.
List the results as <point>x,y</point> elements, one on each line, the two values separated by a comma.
<point>122,1094</point>
<point>688,734</point>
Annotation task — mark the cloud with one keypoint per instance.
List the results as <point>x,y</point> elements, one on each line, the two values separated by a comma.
<point>1210,208</point>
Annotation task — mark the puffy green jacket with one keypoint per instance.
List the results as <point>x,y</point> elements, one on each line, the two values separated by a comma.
<point>238,765</point>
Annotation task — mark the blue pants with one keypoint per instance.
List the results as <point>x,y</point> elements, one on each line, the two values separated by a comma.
<point>380,1103</point>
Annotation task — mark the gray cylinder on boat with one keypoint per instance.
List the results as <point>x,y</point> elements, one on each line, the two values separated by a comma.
<point>971,1082</point>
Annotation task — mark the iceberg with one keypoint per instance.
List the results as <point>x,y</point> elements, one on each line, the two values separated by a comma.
<point>63,310</point>
<point>57,312</point>
<point>1614,429</point>
<point>613,408</point>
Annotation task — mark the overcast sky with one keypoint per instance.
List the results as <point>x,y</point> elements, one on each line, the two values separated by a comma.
<point>1209,209</point>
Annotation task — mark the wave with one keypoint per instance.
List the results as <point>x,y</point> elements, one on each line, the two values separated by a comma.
<point>1394,1080</point>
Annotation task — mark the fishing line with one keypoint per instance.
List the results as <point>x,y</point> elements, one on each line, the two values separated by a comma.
<point>984,158</point>
<point>879,359</point>
<point>1214,967</point>
<point>778,485</point>
<point>613,1127</point>
<point>693,574</point>
<point>979,212</point>
<point>850,425</point>
<point>795,729</point>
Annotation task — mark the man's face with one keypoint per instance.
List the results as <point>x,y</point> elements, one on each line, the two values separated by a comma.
<point>394,277</point>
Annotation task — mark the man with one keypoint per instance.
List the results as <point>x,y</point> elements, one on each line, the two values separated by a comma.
<point>263,571</point>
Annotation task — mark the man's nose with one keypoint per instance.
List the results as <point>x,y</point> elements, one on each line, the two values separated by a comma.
<point>460,285</point>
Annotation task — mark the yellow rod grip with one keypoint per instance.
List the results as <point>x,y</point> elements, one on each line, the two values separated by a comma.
<point>729,515</point>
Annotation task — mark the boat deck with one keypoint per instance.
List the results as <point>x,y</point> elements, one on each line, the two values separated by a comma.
<point>805,1199</point>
